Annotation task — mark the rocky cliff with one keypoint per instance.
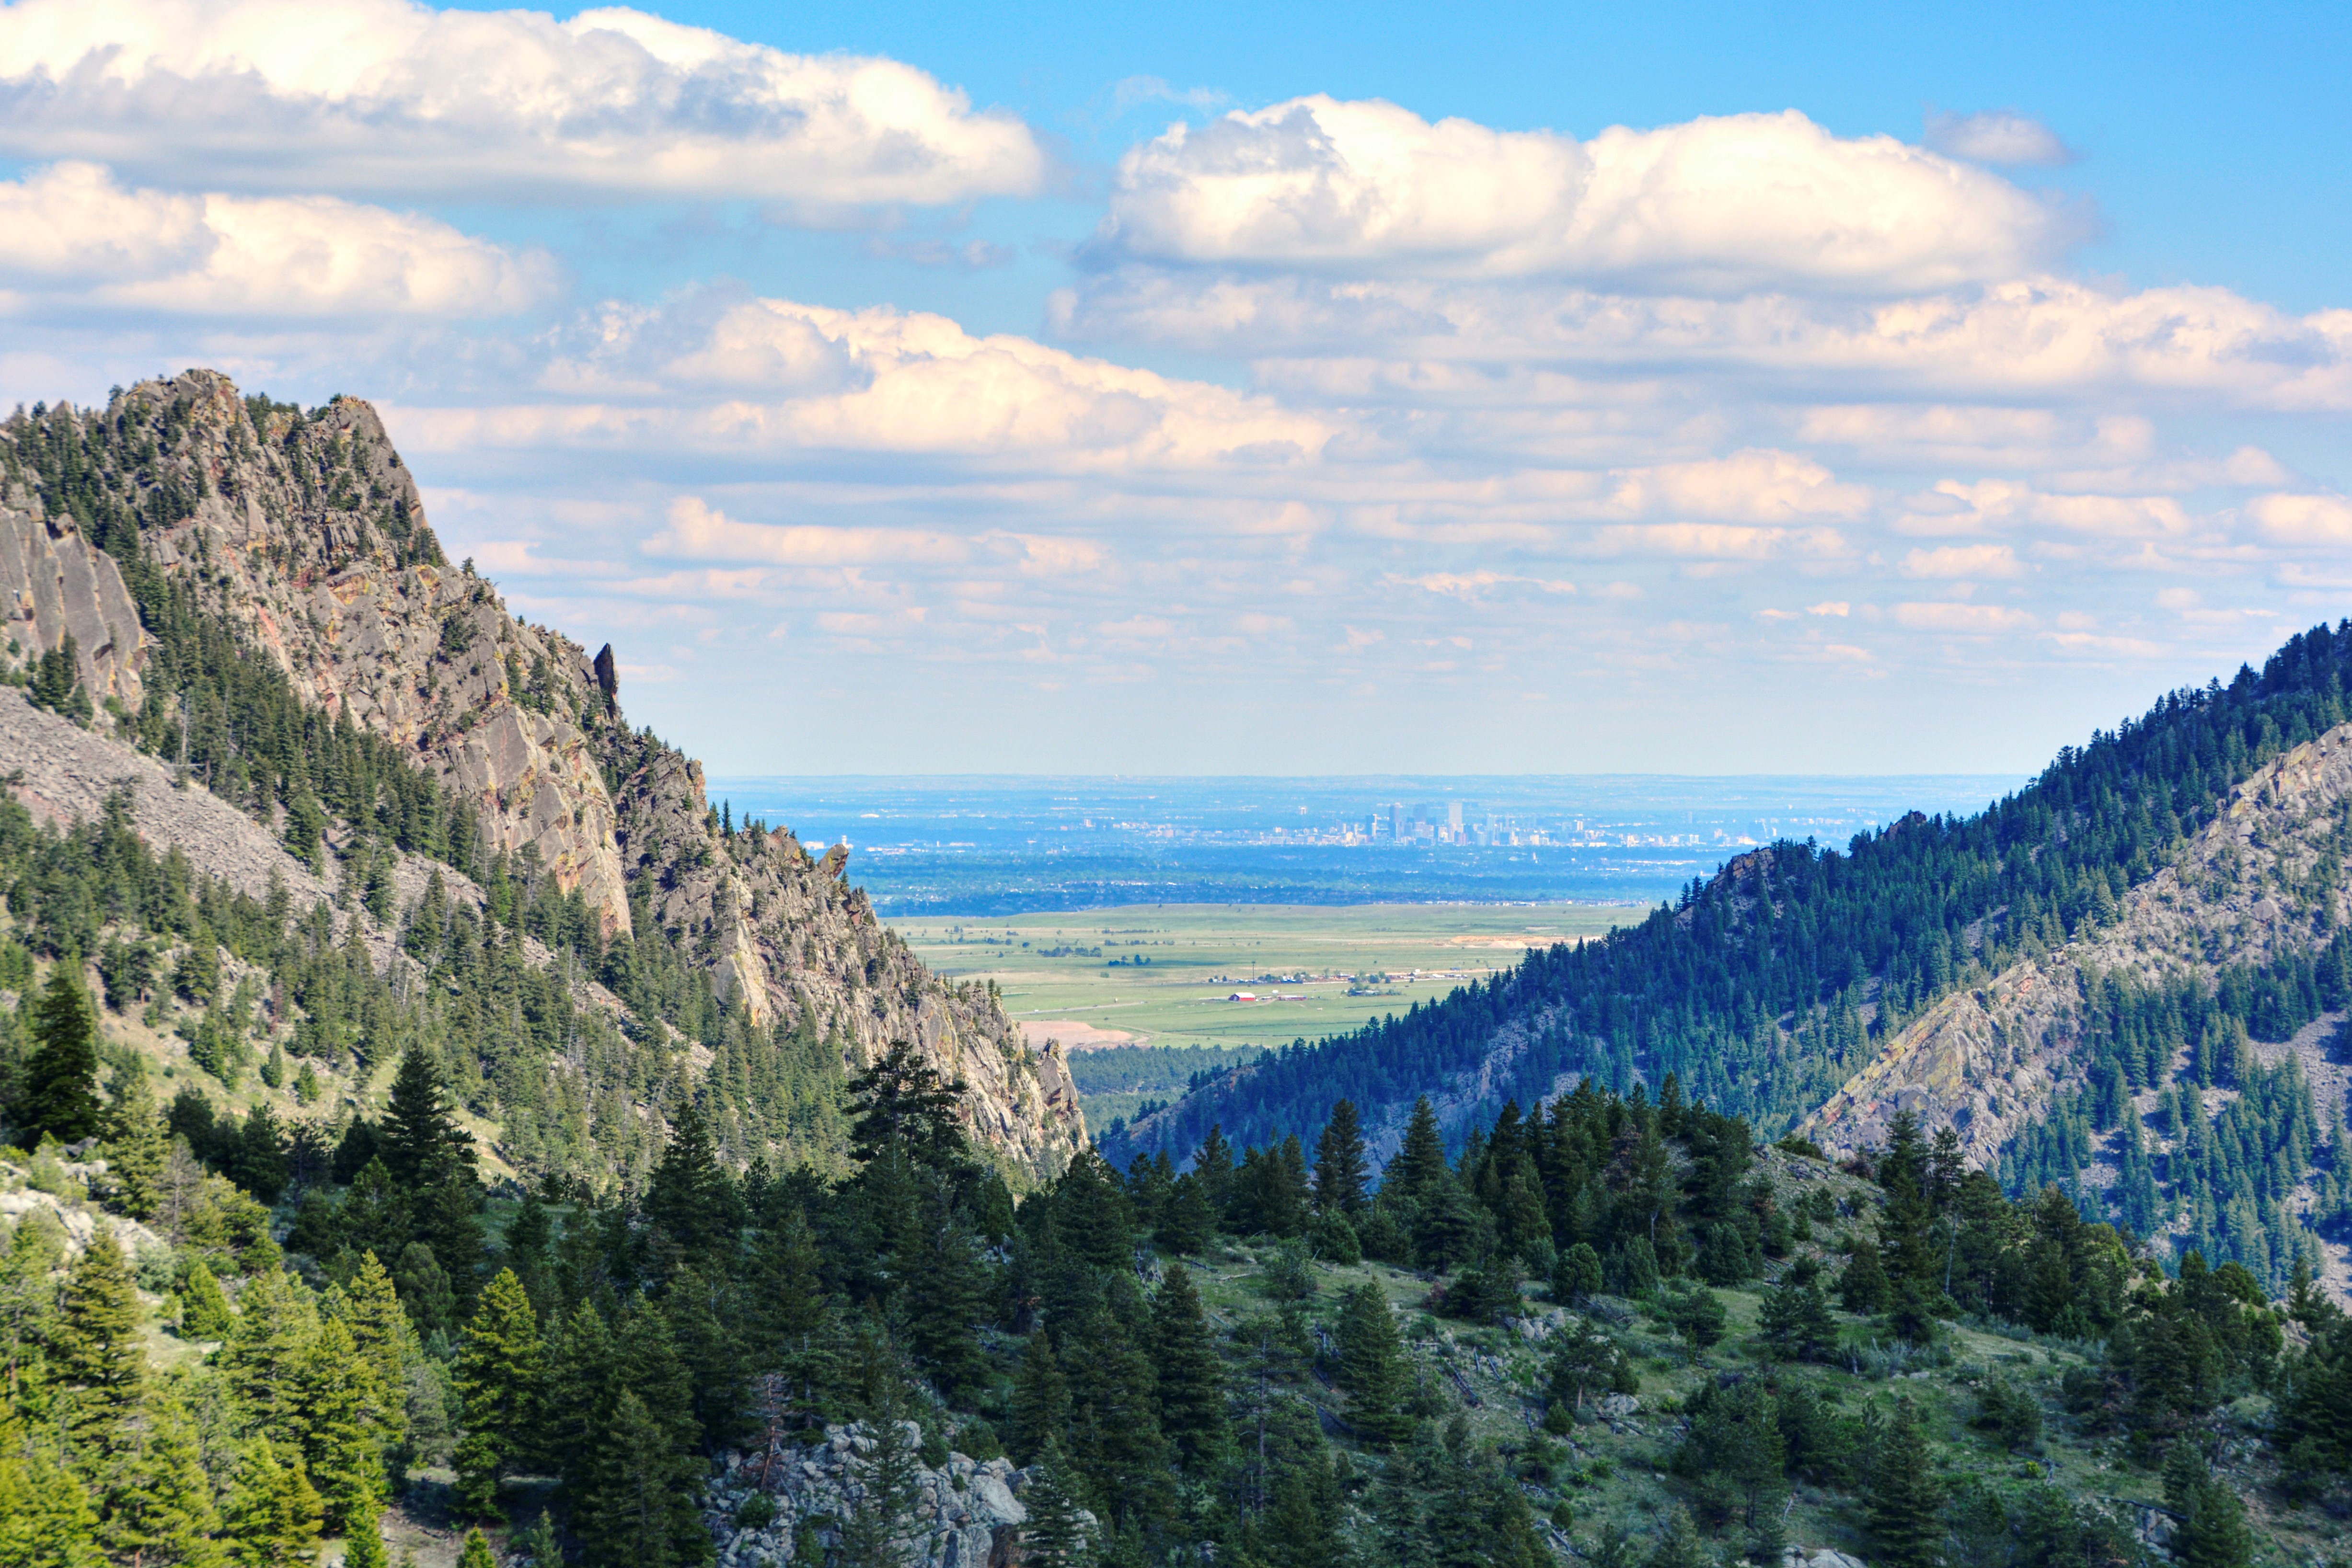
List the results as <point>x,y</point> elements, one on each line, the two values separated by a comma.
<point>2263,879</point>
<point>307,532</point>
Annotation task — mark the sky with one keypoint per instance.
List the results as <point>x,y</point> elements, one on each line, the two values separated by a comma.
<point>1243,389</point>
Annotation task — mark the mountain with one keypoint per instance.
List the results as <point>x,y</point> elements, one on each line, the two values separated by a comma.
<point>2097,981</point>
<point>245,595</point>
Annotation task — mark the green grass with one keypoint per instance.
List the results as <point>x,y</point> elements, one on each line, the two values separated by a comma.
<point>1059,969</point>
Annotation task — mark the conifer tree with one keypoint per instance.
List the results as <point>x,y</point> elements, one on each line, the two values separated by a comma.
<point>274,1322</point>
<point>382,1334</point>
<point>97,1351</point>
<point>2213,1531</point>
<point>499,1373</point>
<point>1904,1502</point>
<point>1795,1319</point>
<point>423,1144</point>
<point>1862,1287</point>
<point>1191,1378</point>
<point>46,1517</point>
<point>700,1315</point>
<point>1115,1436</point>
<point>690,1196</point>
<point>136,1145</point>
<point>1678,1544</point>
<point>59,1095</point>
<point>363,1541</point>
<point>274,1513</point>
<point>1041,1401</point>
<point>204,1309</point>
<point>159,1501</point>
<point>1052,1536</point>
<point>946,1298</point>
<point>882,1524</point>
<point>1419,1163</point>
<point>639,1510</point>
<point>1371,1366</point>
<point>1187,1220</point>
<point>1213,1167</point>
<point>476,1553</point>
<point>337,1410</point>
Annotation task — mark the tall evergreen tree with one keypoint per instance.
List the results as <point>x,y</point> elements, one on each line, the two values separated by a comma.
<point>498,1372</point>
<point>1052,1536</point>
<point>159,1503</point>
<point>137,1145</point>
<point>1041,1401</point>
<point>1191,1376</point>
<point>98,1355</point>
<point>337,1411</point>
<point>59,1094</point>
<point>692,1197</point>
<point>1904,1502</point>
<point>1419,1163</point>
<point>274,1513</point>
<point>1371,1366</point>
<point>203,1311</point>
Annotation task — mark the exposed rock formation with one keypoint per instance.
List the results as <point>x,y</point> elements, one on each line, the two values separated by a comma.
<point>54,586</point>
<point>970,1514</point>
<point>1986,1060</point>
<point>309,531</point>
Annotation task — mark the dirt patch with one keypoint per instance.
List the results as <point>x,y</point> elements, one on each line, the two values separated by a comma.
<point>1074,1035</point>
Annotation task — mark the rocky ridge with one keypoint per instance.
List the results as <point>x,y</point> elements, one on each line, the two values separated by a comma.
<point>309,532</point>
<point>2263,879</point>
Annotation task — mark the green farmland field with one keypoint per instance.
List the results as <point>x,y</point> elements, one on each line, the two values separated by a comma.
<point>1162,975</point>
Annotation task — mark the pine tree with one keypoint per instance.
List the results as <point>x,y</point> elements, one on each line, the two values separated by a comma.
<point>1419,1163</point>
<point>274,1323</point>
<point>1372,1367</point>
<point>59,1095</point>
<point>1678,1544</point>
<point>422,1144</point>
<point>1904,1502</point>
<point>137,1145</point>
<point>1052,1536</point>
<point>2213,1531</point>
<point>1795,1319</point>
<point>159,1503</point>
<point>382,1334</point>
<point>1862,1287</point>
<point>883,1522</point>
<point>1041,1401</point>
<point>1339,1162</point>
<point>336,1410</point>
<point>640,1510</point>
<point>946,1295</point>
<point>690,1196</point>
<point>476,1553</point>
<point>1191,1378</point>
<point>46,1517</point>
<point>203,1311</point>
<point>363,1541</point>
<point>498,1372</point>
<point>1213,1167</point>
<point>98,1355</point>
<point>274,1513</point>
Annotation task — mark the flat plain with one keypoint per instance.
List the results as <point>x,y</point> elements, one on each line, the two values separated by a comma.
<point>1165,975</point>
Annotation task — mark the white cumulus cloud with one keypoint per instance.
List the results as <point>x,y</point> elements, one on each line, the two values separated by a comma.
<point>1714,205</point>
<point>394,96</point>
<point>72,234</point>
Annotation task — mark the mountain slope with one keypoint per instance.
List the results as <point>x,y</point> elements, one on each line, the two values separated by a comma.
<point>1916,966</point>
<point>227,527</point>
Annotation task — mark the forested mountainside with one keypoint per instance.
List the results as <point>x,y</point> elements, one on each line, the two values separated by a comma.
<point>1614,1330</point>
<point>249,594</point>
<point>2095,978</point>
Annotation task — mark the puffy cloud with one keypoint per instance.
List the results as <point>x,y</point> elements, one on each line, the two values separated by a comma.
<point>2303,519</point>
<point>70,233</point>
<point>754,379</point>
<point>2038,336</point>
<point>1716,205</point>
<point>698,530</point>
<point>1997,136</point>
<point>394,96</point>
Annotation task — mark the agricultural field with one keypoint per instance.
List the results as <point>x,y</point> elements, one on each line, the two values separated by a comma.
<point>1105,982</point>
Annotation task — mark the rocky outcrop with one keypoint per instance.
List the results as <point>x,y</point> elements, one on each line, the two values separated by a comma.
<point>969,1513</point>
<point>56,584</point>
<point>1985,1061</point>
<point>308,531</point>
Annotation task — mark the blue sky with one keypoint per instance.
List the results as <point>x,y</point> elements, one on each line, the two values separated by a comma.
<point>1269,389</point>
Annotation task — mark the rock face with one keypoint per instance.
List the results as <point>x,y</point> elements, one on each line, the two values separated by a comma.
<point>969,1512</point>
<point>1985,1061</point>
<point>53,586</point>
<point>309,531</point>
